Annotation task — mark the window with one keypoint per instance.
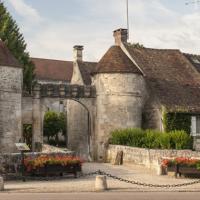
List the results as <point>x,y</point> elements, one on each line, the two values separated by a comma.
<point>195,126</point>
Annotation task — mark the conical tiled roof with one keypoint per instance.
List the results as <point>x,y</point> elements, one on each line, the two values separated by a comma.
<point>6,57</point>
<point>116,61</point>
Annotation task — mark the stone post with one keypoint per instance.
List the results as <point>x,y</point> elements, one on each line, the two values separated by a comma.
<point>1,184</point>
<point>37,118</point>
<point>101,183</point>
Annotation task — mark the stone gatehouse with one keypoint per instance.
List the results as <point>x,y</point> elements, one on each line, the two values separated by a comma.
<point>127,85</point>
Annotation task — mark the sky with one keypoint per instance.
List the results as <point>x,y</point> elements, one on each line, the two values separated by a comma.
<point>52,27</point>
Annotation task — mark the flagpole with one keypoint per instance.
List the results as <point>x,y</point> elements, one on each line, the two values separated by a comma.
<point>127,12</point>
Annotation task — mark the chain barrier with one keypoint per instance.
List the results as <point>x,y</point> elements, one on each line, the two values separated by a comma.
<point>99,172</point>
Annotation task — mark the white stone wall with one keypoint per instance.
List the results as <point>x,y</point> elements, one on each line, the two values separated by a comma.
<point>150,158</point>
<point>10,108</point>
<point>119,103</point>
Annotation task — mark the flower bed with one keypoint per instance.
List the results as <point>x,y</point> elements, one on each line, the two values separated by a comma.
<point>52,165</point>
<point>186,166</point>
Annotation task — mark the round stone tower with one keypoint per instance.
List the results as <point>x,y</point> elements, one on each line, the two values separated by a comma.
<point>10,100</point>
<point>120,89</point>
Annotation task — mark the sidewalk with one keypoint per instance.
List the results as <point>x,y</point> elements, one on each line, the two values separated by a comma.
<point>131,172</point>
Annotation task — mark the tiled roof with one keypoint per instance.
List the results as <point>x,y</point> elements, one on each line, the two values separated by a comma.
<point>170,76</point>
<point>56,70</point>
<point>194,59</point>
<point>86,69</point>
<point>116,61</point>
<point>6,57</point>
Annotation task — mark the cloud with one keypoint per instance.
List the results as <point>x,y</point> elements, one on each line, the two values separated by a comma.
<point>152,23</point>
<point>26,11</point>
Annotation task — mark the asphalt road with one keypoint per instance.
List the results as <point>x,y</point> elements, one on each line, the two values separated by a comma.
<point>103,196</point>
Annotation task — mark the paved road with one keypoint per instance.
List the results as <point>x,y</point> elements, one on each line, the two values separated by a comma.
<point>103,196</point>
<point>87,184</point>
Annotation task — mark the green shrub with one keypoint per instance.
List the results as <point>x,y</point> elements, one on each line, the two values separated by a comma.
<point>152,139</point>
<point>137,137</point>
<point>165,141</point>
<point>181,140</point>
<point>129,137</point>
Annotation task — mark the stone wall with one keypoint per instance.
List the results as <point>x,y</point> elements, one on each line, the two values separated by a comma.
<point>119,104</point>
<point>79,124</point>
<point>152,115</point>
<point>10,108</point>
<point>150,158</point>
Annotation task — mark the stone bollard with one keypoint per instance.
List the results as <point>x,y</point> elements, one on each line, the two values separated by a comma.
<point>101,183</point>
<point>1,184</point>
<point>161,171</point>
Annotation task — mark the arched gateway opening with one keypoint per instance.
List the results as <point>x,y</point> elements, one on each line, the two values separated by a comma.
<point>77,102</point>
<point>78,125</point>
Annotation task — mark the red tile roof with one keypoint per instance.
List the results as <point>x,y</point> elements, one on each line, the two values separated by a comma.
<point>116,61</point>
<point>56,70</point>
<point>86,69</point>
<point>170,76</point>
<point>6,57</point>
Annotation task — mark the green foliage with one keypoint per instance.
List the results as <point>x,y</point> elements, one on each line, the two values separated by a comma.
<point>151,139</point>
<point>53,124</point>
<point>14,40</point>
<point>165,141</point>
<point>27,134</point>
<point>177,121</point>
<point>130,137</point>
<point>136,45</point>
<point>181,139</point>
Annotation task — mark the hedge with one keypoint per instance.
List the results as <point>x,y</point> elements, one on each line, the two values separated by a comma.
<point>151,139</point>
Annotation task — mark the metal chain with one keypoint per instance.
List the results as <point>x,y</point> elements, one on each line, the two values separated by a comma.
<point>99,172</point>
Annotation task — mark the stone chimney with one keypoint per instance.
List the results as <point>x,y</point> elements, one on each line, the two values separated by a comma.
<point>78,53</point>
<point>121,36</point>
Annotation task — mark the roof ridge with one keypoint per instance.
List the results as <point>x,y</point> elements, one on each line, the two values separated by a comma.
<point>190,54</point>
<point>51,59</point>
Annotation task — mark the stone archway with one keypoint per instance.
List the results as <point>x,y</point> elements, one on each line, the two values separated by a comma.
<point>83,96</point>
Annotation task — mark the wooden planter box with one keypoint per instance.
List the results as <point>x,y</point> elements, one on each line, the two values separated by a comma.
<point>187,170</point>
<point>56,170</point>
<point>183,170</point>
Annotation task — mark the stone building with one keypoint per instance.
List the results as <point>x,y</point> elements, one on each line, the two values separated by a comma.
<point>129,87</point>
<point>10,100</point>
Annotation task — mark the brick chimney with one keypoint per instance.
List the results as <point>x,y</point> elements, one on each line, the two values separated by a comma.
<point>121,36</point>
<point>78,53</point>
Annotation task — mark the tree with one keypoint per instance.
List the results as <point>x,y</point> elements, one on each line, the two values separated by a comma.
<point>14,40</point>
<point>136,45</point>
<point>52,125</point>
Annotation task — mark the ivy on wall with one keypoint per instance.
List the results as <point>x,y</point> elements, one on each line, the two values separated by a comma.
<point>177,121</point>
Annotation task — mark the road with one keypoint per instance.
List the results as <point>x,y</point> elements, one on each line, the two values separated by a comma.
<point>102,196</point>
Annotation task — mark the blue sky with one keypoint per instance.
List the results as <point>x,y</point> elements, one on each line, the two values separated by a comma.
<point>52,27</point>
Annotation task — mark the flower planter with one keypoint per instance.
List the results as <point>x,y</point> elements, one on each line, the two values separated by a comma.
<point>55,170</point>
<point>182,166</point>
<point>52,166</point>
<point>187,170</point>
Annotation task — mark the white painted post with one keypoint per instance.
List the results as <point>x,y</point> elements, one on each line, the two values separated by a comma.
<point>160,170</point>
<point>101,183</point>
<point>1,184</point>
